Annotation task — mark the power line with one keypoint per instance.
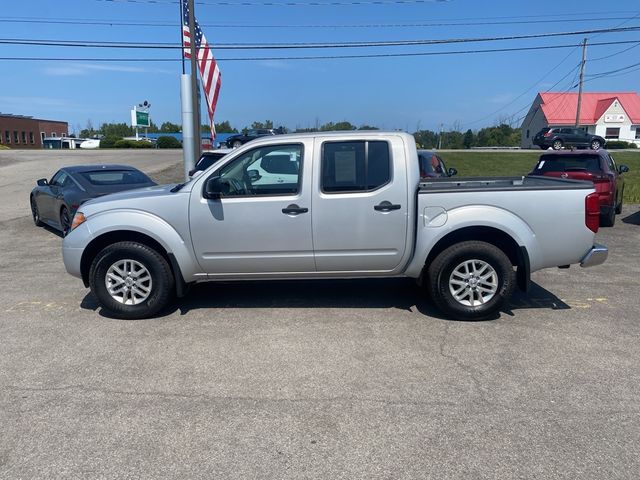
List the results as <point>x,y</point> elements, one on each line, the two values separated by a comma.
<point>318,57</point>
<point>301,45</point>
<point>120,23</point>
<point>284,3</point>
<point>615,54</point>
<point>526,91</point>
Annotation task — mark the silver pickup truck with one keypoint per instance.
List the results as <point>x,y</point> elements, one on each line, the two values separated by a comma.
<point>331,205</point>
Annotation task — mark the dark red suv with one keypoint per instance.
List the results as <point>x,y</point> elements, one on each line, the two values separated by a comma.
<point>596,166</point>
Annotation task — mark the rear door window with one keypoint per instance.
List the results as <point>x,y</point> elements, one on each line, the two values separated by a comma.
<point>355,166</point>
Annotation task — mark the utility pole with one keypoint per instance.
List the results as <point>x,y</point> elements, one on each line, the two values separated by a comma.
<point>440,136</point>
<point>194,83</point>
<point>584,60</point>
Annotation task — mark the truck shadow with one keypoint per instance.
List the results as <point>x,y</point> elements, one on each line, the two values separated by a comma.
<point>633,219</point>
<point>397,293</point>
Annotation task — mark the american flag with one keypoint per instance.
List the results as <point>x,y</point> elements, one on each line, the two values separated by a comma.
<point>209,71</point>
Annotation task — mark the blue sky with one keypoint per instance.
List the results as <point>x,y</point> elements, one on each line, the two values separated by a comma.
<point>465,91</point>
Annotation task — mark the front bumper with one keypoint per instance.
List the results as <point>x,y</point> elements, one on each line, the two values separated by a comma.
<point>596,256</point>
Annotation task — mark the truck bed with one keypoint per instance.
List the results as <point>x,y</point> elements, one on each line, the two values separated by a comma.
<point>472,184</point>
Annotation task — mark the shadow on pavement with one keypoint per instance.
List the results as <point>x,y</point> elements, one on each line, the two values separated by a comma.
<point>398,293</point>
<point>633,219</point>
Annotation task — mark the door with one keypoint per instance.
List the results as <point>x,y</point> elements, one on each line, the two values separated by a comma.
<point>258,225</point>
<point>360,209</point>
<point>48,199</point>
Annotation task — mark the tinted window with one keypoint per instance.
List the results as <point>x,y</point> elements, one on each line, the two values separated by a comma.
<point>567,163</point>
<point>355,166</point>
<point>208,159</point>
<point>115,177</point>
<point>58,179</point>
<point>431,165</point>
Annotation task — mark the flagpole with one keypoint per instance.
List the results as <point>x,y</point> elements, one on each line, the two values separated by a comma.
<point>181,36</point>
<point>194,83</point>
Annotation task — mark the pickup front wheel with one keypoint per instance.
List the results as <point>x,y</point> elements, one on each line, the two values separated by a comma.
<point>131,280</point>
<point>471,280</point>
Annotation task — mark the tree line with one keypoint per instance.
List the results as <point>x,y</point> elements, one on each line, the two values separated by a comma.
<point>501,135</point>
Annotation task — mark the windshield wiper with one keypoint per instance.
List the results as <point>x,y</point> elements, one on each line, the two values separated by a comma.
<point>177,187</point>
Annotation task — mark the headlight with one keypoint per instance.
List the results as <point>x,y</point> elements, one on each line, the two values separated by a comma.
<point>78,219</point>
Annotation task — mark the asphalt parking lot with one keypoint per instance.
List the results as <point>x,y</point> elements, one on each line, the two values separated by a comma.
<point>349,379</point>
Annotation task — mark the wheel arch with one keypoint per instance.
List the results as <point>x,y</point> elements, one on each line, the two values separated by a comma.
<point>100,242</point>
<point>517,254</point>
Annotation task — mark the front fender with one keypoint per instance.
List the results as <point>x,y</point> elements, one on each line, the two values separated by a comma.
<point>131,220</point>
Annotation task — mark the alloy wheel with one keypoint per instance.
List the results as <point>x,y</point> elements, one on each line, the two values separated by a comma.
<point>473,283</point>
<point>128,282</point>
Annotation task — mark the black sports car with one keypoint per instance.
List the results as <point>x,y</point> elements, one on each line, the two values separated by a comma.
<point>55,202</point>
<point>239,139</point>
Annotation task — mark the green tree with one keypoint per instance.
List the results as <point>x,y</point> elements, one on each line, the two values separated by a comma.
<point>469,139</point>
<point>426,139</point>
<point>168,127</point>
<point>328,127</point>
<point>266,124</point>
<point>225,127</point>
<point>367,127</point>
<point>116,130</point>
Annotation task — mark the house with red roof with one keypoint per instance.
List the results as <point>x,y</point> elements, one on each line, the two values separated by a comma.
<point>612,115</point>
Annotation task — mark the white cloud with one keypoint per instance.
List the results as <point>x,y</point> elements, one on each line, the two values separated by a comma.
<point>79,69</point>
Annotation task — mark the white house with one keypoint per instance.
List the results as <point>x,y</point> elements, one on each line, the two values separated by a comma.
<point>613,116</point>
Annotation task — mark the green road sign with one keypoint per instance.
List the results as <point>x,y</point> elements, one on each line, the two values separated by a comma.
<point>142,119</point>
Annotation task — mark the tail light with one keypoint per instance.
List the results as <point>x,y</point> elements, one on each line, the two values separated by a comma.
<point>592,212</point>
<point>548,134</point>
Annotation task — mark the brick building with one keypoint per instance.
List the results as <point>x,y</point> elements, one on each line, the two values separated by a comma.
<point>18,131</point>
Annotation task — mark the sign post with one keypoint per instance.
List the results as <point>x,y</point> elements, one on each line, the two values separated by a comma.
<point>140,117</point>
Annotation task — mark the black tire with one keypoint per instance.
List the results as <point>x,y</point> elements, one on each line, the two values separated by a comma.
<point>161,285</point>
<point>441,272</point>
<point>608,220</point>
<point>35,213</point>
<point>236,144</point>
<point>619,205</point>
<point>65,221</point>
<point>557,144</point>
<point>595,144</point>
<point>543,147</point>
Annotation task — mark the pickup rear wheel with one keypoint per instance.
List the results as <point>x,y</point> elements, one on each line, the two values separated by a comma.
<point>471,280</point>
<point>131,280</point>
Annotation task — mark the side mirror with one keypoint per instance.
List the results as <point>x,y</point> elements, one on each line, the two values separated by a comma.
<point>623,169</point>
<point>452,171</point>
<point>42,182</point>
<point>215,187</point>
<point>254,175</point>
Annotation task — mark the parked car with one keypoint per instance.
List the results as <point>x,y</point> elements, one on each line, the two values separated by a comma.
<point>598,167</point>
<point>54,202</point>
<point>207,159</point>
<point>432,166</point>
<point>235,141</point>
<point>558,138</point>
<point>353,206</point>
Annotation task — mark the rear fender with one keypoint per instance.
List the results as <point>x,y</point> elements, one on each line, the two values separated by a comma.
<point>462,223</point>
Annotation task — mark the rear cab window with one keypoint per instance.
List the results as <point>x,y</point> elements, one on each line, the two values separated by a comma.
<point>568,163</point>
<point>115,177</point>
<point>355,166</point>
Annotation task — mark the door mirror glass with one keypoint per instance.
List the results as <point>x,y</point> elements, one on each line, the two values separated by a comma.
<point>42,182</point>
<point>254,175</point>
<point>623,169</point>
<point>215,187</point>
<point>452,171</point>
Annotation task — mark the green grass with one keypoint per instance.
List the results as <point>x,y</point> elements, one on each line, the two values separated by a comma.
<point>471,163</point>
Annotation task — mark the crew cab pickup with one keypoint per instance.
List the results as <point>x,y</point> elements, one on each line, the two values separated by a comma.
<point>349,205</point>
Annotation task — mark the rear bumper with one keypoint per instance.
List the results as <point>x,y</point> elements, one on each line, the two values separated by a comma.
<point>596,256</point>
